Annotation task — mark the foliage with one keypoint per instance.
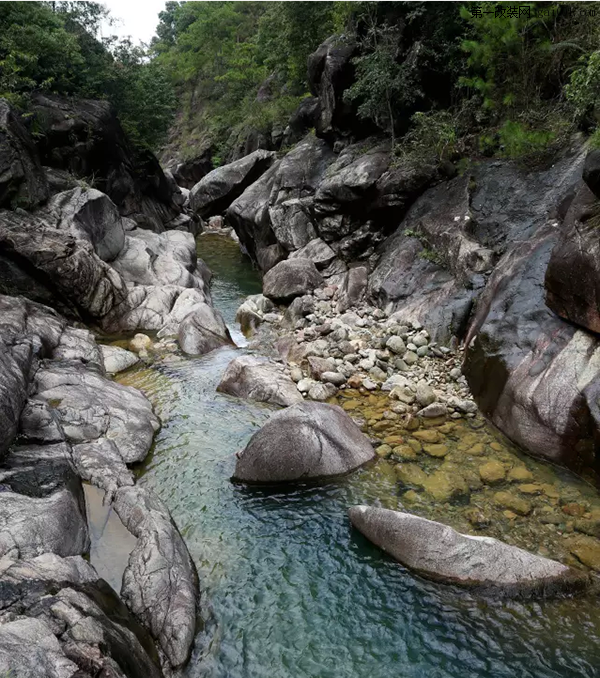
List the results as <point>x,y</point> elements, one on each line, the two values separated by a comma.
<point>583,89</point>
<point>53,47</point>
<point>433,137</point>
<point>517,140</point>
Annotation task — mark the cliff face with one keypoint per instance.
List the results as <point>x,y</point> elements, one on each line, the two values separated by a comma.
<point>489,257</point>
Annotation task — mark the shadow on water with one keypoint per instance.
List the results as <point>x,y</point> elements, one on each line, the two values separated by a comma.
<point>295,592</point>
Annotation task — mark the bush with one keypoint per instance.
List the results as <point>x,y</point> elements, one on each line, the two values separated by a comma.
<point>517,141</point>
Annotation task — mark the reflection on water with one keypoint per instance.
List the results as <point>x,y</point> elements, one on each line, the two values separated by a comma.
<point>294,591</point>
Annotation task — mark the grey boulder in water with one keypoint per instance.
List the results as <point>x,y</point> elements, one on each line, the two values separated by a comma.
<point>305,441</point>
<point>439,552</point>
<point>260,379</point>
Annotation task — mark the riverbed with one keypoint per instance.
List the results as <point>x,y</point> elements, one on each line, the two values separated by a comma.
<point>289,590</point>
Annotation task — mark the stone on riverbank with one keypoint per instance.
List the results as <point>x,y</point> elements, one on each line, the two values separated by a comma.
<point>291,278</point>
<point>117,359</point>
<point>439,552</point>
<point>305,441</point>
<point>261,379</point>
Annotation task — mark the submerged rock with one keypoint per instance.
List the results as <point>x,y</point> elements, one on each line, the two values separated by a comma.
<point>439,552</point>
<point>260,379</point>
<point>308,440</point>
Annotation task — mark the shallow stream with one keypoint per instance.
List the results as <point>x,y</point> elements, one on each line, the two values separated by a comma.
<point>292,591</point>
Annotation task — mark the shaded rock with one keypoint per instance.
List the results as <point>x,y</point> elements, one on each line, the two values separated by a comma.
<point>591,171</point>
<point>330,72</point>
<point>260,379</point>
<point>85,138</point>
<point>308,440</point>
<point>439,552</point>
<point>189,172</point>
<point>215,192</point>
<point>321,392</point>
<point>291,278</point>
<point>117,359</point>
<point>22,178</point>
<point>353,288</point>
<point>316,251</point>
<point>160,584</point>
<point>572,278</point>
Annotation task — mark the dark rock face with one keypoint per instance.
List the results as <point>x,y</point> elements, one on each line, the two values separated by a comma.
<point>308,440</point>
<point>439,552</point>
<point>330,72</point>
<point>213,194</point>
<point>291,278</point>
<point>573,274</point>
<point>85,138</point>
<point>532,373</point>
<point>189,172</point>
<point>22,179</point>
<point>260,379</point>
<point>591,172</point>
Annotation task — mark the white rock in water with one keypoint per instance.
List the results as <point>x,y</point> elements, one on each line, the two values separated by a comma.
<point>118,359</point>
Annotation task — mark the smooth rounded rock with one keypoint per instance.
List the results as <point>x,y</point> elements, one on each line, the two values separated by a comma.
<point>306,441</point>
<point>291,278</point>
<point>439,552</point>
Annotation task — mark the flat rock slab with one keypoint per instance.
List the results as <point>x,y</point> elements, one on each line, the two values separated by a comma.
<point>306,441</point>
<point>439,552</point>
<point>260,379</point>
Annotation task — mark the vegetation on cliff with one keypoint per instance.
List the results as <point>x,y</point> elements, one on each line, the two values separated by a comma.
<point>54,47</point>
<point>486,77</point>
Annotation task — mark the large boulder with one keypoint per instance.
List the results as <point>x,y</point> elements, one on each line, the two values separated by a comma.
<point>203,330</point>
<point>89,215</point>
<point>261,379</point>
<point>532,373</point>
<point>85,138</point>
<point>573,275</point>
<point>61,620</point>
<point>22,178</point>
<point>439,552</point>
<point>303,442</point>
<point>214,193</point>
<point>160,583</point>
<point>291,278</point>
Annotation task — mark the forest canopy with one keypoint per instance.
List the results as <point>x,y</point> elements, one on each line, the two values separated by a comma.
<point>463,78</point>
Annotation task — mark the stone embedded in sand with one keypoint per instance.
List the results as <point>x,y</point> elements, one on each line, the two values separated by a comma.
<point>511,502</point>
<point>439,552</point>
<point>436,450</point>
<point>308,440</point>
<point>492,472</point>
<point>519,474</point>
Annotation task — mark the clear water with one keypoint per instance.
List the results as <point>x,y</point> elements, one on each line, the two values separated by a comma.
<point>289,589</point>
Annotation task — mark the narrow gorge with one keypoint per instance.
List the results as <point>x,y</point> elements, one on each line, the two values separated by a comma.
<point>302,404</point>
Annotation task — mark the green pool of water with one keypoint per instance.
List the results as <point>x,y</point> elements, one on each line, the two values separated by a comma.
<point>289,590</point>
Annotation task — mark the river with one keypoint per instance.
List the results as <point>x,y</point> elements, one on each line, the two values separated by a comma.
<point>288,589</point>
